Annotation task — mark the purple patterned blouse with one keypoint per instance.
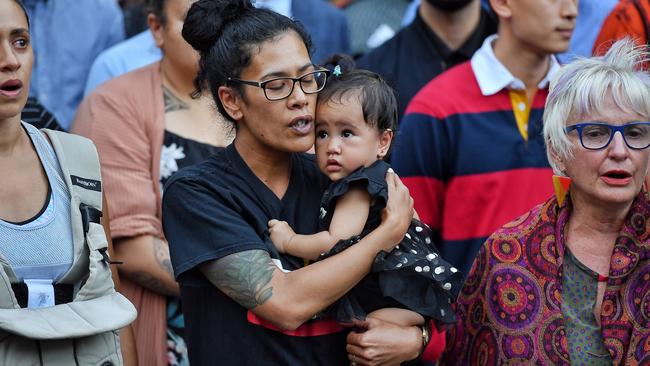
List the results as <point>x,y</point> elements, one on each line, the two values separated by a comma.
<point>509,310</point>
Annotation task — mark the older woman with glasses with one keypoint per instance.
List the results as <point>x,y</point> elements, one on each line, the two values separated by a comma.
<point>569,282</point>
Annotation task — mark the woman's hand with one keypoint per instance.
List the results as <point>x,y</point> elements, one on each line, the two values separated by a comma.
<point>377,342</point>
<point>397,215</point>
<point>281,234</point>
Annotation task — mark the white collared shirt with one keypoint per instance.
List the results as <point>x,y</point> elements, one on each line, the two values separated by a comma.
<point>279,6</point>
<point>493,76</point>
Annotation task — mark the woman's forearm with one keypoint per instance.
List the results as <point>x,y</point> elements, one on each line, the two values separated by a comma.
<point>289,299</point>
<point>146,262</point>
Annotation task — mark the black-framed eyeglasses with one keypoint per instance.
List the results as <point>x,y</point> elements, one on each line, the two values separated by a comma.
<point>598,135</point>
<point>282,87</point>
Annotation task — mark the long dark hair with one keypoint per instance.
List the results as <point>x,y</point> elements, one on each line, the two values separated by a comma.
<point>225,32</point>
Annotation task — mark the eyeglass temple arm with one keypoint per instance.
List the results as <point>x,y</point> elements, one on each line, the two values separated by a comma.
<point>247,82</point>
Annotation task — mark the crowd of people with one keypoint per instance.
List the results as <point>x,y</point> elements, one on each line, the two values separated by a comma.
<point>315,182</point>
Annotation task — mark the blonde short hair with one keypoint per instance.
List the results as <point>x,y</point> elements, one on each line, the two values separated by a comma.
<point>581,87</point>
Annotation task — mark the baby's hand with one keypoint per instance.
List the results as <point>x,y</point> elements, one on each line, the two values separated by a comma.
<point>281,234</point>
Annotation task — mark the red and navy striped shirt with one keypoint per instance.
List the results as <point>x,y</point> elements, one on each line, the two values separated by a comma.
<point>466,164</point>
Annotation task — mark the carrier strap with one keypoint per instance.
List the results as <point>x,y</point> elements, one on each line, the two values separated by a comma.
<point>79,162</point>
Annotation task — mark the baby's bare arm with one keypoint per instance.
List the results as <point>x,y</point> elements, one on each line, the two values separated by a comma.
<point>349,218</point>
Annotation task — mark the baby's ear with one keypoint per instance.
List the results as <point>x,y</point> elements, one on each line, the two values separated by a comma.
<point>385,139</point>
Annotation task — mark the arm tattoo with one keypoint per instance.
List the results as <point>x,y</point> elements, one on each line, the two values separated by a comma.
<point>153,283</point>
<point>172,102</point>
<point>161,252</point>
<point>243,276</point>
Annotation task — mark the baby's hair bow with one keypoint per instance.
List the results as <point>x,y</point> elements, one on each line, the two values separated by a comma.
<point>337,71</point>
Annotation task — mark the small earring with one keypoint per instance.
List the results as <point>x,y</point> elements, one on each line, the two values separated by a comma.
<point>561,185</point>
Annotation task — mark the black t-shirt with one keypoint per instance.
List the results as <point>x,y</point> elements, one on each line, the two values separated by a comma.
<point>217,208</point>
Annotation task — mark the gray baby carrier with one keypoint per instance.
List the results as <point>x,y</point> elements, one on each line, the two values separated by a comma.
<point>82,330</point>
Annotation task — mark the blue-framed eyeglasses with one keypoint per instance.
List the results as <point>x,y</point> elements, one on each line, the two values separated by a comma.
<point>280,88</point>
<point>598,135</point>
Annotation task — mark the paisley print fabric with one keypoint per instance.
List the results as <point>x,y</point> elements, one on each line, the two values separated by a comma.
<point>510,309</point>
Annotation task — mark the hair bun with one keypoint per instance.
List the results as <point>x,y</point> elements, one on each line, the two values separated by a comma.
<point>206,20</point>
<point>344,63</point>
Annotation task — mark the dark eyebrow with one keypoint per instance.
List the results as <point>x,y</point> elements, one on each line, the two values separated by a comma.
<point>284,74</point>
<point>19,31</point>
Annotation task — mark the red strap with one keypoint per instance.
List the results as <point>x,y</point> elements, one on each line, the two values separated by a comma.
<point>309,329</point>
<point>602,278</point>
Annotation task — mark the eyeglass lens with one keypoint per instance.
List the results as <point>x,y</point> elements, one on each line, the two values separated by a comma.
<point>282,87</point>
<point>637,136</point>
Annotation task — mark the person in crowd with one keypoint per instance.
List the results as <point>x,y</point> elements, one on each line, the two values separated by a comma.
<point>567,282</point>
<point>443,34</point>
<point>592,16</point>
<point>247,303</point>
<point>630,18</point>
<point>36,115</point>
<point>371,22</point>
<point>146,127</point>
<point>67,36</point>
<point>357,113</point>
<point>58,302</point>
<point>470,147</point>
<point>326,24</point>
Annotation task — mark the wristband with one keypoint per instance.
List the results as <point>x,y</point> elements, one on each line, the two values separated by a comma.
<point>426,335</point>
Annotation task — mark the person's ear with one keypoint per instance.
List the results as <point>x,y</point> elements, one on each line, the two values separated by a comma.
<point>502,8</point>
<point>385,139</point>
<point>231,101</point>
<point>156,27</point>
<point>559,162</point>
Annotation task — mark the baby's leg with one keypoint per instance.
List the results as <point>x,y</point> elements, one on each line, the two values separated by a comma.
<point>398,316</point>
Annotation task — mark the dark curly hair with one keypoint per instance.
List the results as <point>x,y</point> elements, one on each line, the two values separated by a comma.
<point>226,32</point>
<point>377,98</point>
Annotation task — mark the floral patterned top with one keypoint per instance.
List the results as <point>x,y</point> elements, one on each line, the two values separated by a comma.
<point>510,308</point>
